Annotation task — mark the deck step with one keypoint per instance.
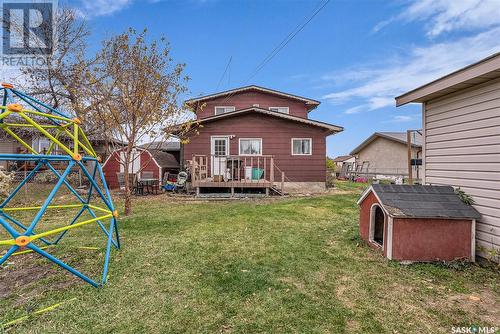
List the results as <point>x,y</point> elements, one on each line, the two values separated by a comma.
<point>277,191</point>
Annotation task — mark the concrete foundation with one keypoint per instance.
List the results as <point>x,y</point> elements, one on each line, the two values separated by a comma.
<point>304,187</point>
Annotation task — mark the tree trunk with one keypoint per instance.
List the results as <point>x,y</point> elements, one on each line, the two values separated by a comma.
<point>128,191</point>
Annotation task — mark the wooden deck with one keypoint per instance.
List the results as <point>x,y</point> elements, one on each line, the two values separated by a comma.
<point>235,172</point>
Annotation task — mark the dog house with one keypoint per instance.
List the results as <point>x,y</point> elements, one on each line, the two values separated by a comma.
<point>417,223</point>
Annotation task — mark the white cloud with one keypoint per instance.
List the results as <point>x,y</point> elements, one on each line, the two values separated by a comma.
<point>101,7</point>
<point>413,68</point>
<point>403,118</point>
<point>443,16</point>
<point>375,102</point>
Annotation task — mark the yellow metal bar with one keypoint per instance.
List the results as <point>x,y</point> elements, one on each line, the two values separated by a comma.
<point>62,206</point>
<point>69,227</point>
<point>5,114</point>
<point>57,230</point>
<point>22,142</point>
<point>89,248</point>
<point>47,309</point>
<point>46,134</point>
<point>46,115</point>
<point>83,146</point>
<point>52,144</point>
<point>87,142</point>
<point>99,209</point>
<point>8,242</point>
<point>29,251</point>
<point>75,134</point>
<point>23,125</point>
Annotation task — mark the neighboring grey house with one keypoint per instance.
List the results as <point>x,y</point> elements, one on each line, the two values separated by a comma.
<point>40,143</point>
<point>385,155</point>
<point>343,165</point>
<point>172,147</point>
<point>461,128</point>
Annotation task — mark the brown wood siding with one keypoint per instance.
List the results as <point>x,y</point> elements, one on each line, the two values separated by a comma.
<point>248,99</point>
<point>276,137</point>
<point>462,148</point>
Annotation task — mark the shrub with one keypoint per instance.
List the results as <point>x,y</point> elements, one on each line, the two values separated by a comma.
<point>5,182</point>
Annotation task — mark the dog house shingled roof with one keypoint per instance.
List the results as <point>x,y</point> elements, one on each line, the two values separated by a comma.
<point>418,201</point>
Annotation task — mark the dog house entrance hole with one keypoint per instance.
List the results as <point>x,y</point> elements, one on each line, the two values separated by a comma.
<point>377,225</point>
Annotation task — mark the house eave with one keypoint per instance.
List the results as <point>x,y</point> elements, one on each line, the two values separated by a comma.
<point>331,128</point>
<point>309,102</point>
<point>474,74</point>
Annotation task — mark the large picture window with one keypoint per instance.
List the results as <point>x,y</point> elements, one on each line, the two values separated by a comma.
<point>250,146</point>
<point>301,146</point>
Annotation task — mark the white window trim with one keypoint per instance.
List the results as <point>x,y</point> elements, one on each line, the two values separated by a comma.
<point>310,146</point>
<point>250,155</point>
<point>371,230</point>
<point>228,150</point>
<point>287,110</point>
<point>225,107</point>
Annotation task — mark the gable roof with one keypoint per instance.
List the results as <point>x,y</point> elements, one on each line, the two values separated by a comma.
<point>418,201</point>
<point>341,158</point>
<point>330,127</point>
<point>399,137</point>
<point>163,145</point>
<point>471,75</point>
<point>312,103</point>
<point>164,159</point>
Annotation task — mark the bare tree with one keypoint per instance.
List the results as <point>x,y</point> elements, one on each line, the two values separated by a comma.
<point>61,82</point>
<point>144,85</point>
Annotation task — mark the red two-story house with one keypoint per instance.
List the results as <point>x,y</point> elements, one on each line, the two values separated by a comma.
<point>255,137</point>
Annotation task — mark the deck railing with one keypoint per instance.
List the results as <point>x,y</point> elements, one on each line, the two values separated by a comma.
<point>259,170</point>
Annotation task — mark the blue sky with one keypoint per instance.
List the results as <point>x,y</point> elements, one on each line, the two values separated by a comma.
<point>354,56</point>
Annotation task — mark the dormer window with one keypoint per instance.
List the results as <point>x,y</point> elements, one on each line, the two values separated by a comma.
<point>223,109</point>
<point>283,110</point>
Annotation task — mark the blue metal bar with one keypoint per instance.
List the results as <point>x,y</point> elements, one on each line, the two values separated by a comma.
<point>106,201</point>
<point>17,223</point>
<point>89,195</point>
<point>108,251</point>
<point>118,245</point>
<point>63,233</point>
<point>9,228</point>
<point>62,264</point>
<point>49,198</point>
<point>38,109</point>
<point>24,97</point>
<point>31,157</point>
<point>8,254</point>
<point>70,188</point>
<point>105,186</point>
<point>101,225</point>
<point>21,184</point>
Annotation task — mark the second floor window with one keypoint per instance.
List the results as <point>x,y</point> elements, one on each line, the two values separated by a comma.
<point>223,109</point>
<point>283,110</point>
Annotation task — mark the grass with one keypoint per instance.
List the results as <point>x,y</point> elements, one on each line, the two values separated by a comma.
<point>262,266</point>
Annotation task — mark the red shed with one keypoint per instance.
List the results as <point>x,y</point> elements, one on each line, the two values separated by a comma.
<point>418,223</point>
<point>156,162</point>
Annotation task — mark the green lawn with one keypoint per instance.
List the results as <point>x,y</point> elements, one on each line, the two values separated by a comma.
<point>260,266</point>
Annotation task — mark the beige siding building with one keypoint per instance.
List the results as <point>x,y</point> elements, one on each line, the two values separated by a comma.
<point>386,154</point>
<point>461,119</point>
